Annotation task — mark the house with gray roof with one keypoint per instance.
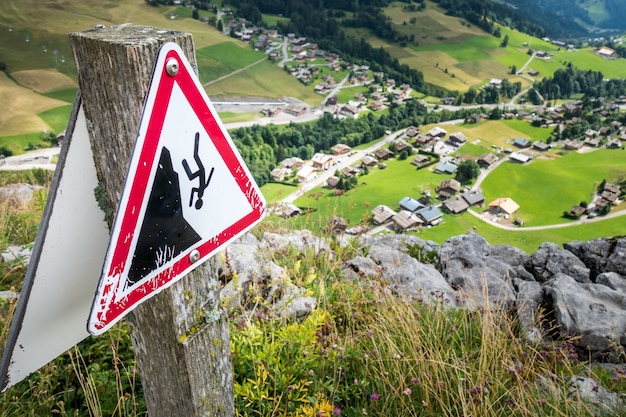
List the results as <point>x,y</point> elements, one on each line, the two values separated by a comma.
<point>431,215</point>
<point>410,204</point>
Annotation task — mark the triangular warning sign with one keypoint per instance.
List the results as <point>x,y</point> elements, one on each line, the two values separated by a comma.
<point>188,193</point>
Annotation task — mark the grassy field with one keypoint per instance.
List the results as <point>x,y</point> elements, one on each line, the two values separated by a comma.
<point>546,188</point>
<point>262,80</point>
<point>221,59</point>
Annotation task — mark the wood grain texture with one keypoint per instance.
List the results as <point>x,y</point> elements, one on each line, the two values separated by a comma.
<point>180,336</point>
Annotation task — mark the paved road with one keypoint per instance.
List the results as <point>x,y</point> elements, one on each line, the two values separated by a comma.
<point>40,158</point>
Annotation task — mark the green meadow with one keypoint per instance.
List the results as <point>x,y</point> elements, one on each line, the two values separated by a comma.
<point>544,189</point>
<point>224,58</point>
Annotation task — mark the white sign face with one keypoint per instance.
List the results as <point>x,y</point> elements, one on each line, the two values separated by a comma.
<point>63,272</point>
<point>188,194</point>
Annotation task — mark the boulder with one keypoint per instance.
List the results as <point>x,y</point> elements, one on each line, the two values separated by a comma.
<point>466,263</point>
<point>410,278</point>
<point>18,194</point>
<point>550,260</point>
<point>601,255</point>
<point>527,303</point>
<point>593,315</point>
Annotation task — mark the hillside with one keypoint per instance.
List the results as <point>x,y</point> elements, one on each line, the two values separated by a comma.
<point>596,15</point>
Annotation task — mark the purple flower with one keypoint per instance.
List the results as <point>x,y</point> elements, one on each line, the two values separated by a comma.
<point>407,391</point>
<point>415,380</point>
<point>542,401</point>
<point>375,396</point>
<point>337,411</point>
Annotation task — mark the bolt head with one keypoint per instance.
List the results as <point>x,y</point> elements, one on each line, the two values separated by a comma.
<point>172,67</point>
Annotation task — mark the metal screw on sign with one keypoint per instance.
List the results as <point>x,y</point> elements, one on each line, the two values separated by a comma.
<point>171,66</point>
<point>194,256</point>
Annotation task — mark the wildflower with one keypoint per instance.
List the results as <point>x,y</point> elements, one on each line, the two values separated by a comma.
<point>393,388</point>
<point>407,391</point>
<point>311,372</point>
<point>305,352</point>
<point>573,356</point>
<point>375,396</point>
<point>356,381</point>
<point>370,332</point>
<point>337,411</point>
<point>542,401</point>
<point>415,380</point>
<point>396,356</point>
<point>363,411</point>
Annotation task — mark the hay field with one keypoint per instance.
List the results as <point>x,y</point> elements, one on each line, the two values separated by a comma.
<point>44,81</point>
<point>19,115</point>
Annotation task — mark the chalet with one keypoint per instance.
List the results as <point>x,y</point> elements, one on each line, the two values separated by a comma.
<point>410,204</point>
<point>420,161</point>
<point>279,174</point>
<point>349,171</point>
<point>401,145</point>
<point>437,132</point>
<point>540,146</point>
<point>431,215</point>
<point>336,224</point>
<point>503,206</point>
<point>457,139</point>
<point>486,160</point>
<point>572,145</point>
<point>533,73</point>
<point>381,214</point>
<point>332,182</point>
<point>368,161</point>
<point>577,211</point>
<point>606,53</point>
<point>285,210</point>
<point>412,132</point>
<point>448,101</point>
<point>423,140</point>
<point>293,162</point>
<point>340,149</point>
<point>376,105</point>
<point>613,144</point>
<point>447,188</point>
<point>521,142</point>
<point>295,109</point>
<point>349,111</point>
<point>261,42</point>
<point>455,205</point>
<point>473,197</point>
<point>405,220</point>
<point>306,173</point>
<point>271,111</point>
<point>322,161</point>
<point>541,54</point>
<point>446,167</point>
<point>592,141</point>
<point>519,157</point>
<point>383,153</point>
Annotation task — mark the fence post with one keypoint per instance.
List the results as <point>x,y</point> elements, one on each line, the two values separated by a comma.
<point>183,356</point>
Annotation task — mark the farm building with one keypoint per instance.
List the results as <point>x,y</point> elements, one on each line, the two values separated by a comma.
<point>519,157</point>
<point>455,205</point>
<point>368,161</point>
<point>437,132</point>
<point>486,160</point>
<point>457,139</point>
<point>503,206</point>
<point>447,188</point>
<point>521,142</point>
<point>473,197</point>
<point>420,160</point>
<point>431,215</point>
<point>382,213</point>
<point>445,167</point>
<point>410,204</point>
<point>332,182</point>
<point>405,220</point>
<point>383,153</point>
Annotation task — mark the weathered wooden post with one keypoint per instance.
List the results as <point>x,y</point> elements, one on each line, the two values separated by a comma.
<point>180,336</point>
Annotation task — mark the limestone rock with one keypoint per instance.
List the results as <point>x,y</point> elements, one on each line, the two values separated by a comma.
<point>550,260</point>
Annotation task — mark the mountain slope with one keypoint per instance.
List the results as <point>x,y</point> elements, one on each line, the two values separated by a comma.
<point>593,14</point>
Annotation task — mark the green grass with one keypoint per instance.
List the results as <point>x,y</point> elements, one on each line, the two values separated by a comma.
<point>20,143</point>
<point>262,80</point>
<point>218,60</point>
<point>274,192</point>
<point>57,118</point>
<point>67,95</point>
<point>546,188</point>
<point>347,94</point>
<point>374,188</point>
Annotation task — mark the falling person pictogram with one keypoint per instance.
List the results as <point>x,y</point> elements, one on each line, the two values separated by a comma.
<point>203,182</point>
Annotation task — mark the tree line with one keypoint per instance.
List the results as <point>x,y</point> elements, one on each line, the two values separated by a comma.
<point>570,81</point>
